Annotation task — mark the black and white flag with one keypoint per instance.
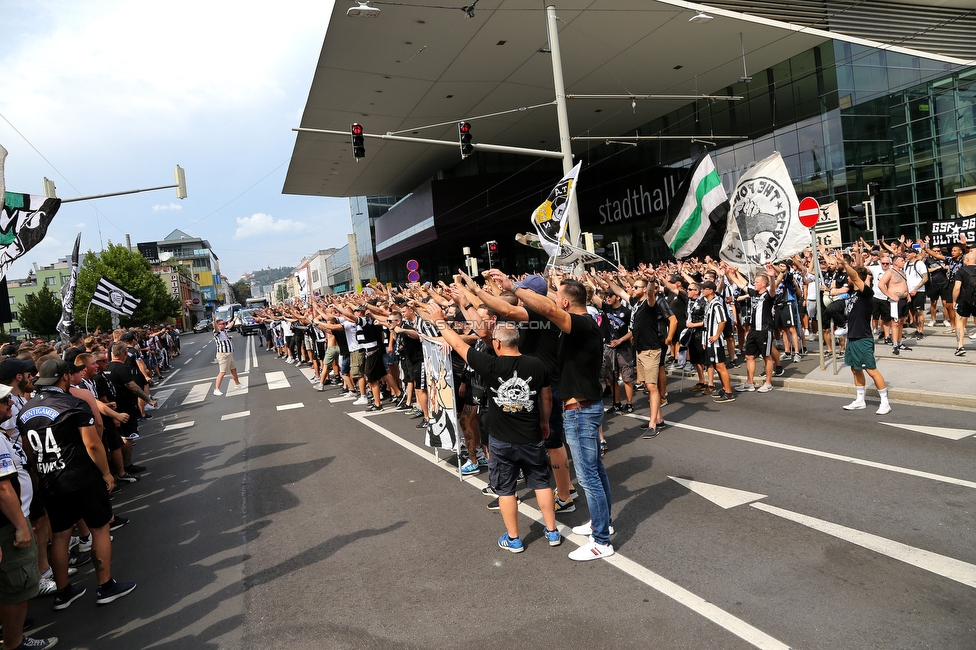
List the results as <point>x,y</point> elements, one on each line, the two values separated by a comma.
<point>114,298</point>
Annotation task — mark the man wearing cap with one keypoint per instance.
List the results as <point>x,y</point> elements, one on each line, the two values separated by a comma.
<point>74,479</point>
<point>19,575</point>
<point>716,320</point>
<point>225,355</point>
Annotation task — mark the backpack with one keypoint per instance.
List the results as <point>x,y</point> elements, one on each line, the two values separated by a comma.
<point>967,292</point>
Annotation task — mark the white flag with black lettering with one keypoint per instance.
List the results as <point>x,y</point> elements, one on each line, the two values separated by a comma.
<point>114,298</point>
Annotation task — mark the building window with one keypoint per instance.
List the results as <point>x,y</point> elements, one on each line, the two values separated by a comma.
<point>50,282</point>
<point>13,315</point>
<point>12,300</point>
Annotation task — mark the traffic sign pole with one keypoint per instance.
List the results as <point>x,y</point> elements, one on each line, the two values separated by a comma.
<point>809,216</point>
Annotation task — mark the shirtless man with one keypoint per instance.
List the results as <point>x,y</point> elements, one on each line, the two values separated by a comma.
<point>894,285</point>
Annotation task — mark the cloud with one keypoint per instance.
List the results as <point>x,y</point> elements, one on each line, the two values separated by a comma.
<point>259,224</point>
<point>171,206</point>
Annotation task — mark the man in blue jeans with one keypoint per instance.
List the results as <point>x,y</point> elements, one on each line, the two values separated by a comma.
<point>581,356</point>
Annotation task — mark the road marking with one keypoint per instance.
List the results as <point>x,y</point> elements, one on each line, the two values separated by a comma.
<point>254,351</point>
<point>276,380</point>
<point>942,432</point>
<point>197,352</point>
<point>162,396</point>
<point>178,425</point>
<point>233,390</point>
<point>234,416</point>
<point>350,398</point>
<point>288,407</point>
<point>947,567</point>
<point>697,604</point>
<point>822,454</point>
<point>198,393</point>
<point>171,375</point>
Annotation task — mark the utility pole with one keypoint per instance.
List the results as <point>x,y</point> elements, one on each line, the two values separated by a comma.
<point>562,115</point>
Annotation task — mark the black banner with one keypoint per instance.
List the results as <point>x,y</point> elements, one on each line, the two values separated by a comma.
<point>947,232</point>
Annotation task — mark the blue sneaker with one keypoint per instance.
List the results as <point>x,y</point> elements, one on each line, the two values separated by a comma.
<point>513,545</point>
<point>470,468</point>
<point>555,539</point>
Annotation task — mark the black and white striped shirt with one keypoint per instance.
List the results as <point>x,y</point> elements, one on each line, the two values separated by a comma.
<point>223,341</point>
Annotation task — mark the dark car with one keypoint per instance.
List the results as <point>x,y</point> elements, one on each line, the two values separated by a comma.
<point>203,325</point>
<point>246,325</point>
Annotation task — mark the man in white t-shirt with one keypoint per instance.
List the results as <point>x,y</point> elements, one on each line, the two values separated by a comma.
<point>916,274</point>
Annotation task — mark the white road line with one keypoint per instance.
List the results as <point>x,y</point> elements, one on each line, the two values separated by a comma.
<point>162,396</point>
<point>198,393</point>
<point>171,375</point>
<point>276,380</point>
<point>233,390</point>
<point>946,567</point>
<point>247,354</point>
<point>254,351</point>
<point>823,454</point>
<point>234,416</point>
<point>697,604</point>
<point>351,398</point>
<point>197,352</point>
<point>941,432</point>
<point>178,425</point>
<point>288,407</point>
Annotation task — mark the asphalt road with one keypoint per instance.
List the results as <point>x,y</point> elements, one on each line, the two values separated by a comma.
<point>316,526</point>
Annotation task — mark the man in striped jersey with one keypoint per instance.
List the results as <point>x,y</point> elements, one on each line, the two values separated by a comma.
<point>716,320</point>
<point>225,355</point>
<point>759,341</point>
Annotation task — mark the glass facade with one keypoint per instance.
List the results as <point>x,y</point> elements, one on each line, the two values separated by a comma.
<point>365,210</point>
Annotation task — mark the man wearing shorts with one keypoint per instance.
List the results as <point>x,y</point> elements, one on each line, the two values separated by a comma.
<point>759,340</point>
<point>894,286</point>
<point>716,320</point>
<point>73,477</point>
<point>860,340</point>
<point>225,356</point>
<point>647,313</point>
<point>962,288</point>
<point>518,408</point>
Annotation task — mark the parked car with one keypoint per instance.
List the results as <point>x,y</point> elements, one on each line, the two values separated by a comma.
<point>246,325</point>
<point>203,325</point>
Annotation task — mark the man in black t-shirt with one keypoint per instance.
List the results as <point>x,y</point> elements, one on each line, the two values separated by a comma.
<point>619,351</point>
<point>580,358</point>
<point>519,402</point>
<point>74,479</point>
<point>653,327</point>
<point>859,354</point>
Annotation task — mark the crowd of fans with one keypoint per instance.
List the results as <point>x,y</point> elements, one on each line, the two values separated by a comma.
<point>698,316</point>
<point>70,414</point>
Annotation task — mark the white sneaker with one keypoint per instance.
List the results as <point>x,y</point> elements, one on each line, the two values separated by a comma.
<point>765,388</point>
<point>856,405</point>
<point>797,358</point>
<point>840,331</point>
<point>947,325</point>
<point>150,407</point>
<point>218,392</point>
<point>884,409</point>
<point>591,551</point>
<point>587,530</point>
<point>47,586</point>
<point>83,546</point>
<point>931,323</point>
<point>973,335</point>
<point>362,401</point>
<point>745,388</point>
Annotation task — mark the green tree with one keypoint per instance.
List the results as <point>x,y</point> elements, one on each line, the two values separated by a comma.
<point>281,294</point>
<point>241,291</point>
<point>40,314</point>
<point>132,272</point>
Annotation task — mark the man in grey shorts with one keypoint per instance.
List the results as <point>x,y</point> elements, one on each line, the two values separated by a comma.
<point>225,355</point>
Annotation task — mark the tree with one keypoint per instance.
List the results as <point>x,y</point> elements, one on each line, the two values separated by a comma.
<point>41,312</point>
<point>241,291</point>
<point>281,294</point>
<point>132,272</point>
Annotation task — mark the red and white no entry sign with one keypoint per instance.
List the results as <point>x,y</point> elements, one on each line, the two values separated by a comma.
<point>809,212</point>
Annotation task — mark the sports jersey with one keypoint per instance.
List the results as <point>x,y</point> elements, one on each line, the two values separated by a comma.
<point>762,309</point>
<point>51,423</point>
<point>715,315</point>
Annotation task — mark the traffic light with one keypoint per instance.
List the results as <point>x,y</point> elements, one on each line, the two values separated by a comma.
<point>464,137</point>
<point>859,212</point>
<point>874,188</point>
<point>358,141</point>
<point>489,251</point>
<point>493,246</point>
<point>180,182</point>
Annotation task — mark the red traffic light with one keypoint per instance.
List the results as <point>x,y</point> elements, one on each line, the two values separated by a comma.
<point>357,129</point>
<point>493,247</point>
<point>464,127</point>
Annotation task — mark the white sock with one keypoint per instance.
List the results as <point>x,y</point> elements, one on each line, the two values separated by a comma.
<point>860,393</point>
<point>884,396</point>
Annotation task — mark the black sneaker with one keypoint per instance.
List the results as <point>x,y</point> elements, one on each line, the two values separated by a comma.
<point>134,469</point>
<point>649,431</point>
<point>113,591</point>
<point>724,397</point>
<point>489,491</point>
<point>493,505</point>
<point>127,478</point>
<point>403,407</point>
<point>629,408</point>
<point>960,352</point>
<point>902,346</point>
<point>79,559</point>
<point>64,597</point>
<point>778,372</point>
<point>420,425</point>
<point>374,407</point>
<point>895,351</point>
<point>613,409</point>
<point>887,340</point>
<point>881,337</point>
<point>31,643</point>
<point>118,522</point>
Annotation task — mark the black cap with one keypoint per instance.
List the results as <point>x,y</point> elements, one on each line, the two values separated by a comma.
<point>708,284</point>
<point>51,371</point>
<point>71,355</point>
<point>10,368</point>
<point>127,337</point>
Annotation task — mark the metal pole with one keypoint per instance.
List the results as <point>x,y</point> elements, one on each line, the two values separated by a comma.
<point>562,115</point>
<point>86,318</point>
<point>357,280</point>
<point>874,220</point>
<point>816,274</point>
<point>102,196</point>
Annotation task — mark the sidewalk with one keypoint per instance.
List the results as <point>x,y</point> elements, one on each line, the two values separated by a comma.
<point>928,375</point>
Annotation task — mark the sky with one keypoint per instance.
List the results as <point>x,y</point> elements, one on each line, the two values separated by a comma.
<point>110,95</point>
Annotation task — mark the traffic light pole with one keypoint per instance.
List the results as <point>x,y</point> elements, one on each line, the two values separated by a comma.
<point>495,148</point>
<point>562,116</point>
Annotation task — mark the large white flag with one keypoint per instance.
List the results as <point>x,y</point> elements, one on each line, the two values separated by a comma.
<point>764,221</point>
<point>552,217</point>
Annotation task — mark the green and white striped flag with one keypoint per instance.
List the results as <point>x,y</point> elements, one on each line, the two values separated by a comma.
<point>699,203</point>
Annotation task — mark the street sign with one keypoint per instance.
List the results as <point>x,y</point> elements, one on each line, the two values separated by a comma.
<point>412,265</point>
<point>809,212</point>
<point>413,276</point>
<point>828,227</point>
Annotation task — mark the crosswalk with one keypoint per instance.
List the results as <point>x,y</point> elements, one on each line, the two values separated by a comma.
<point>195,392</point>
